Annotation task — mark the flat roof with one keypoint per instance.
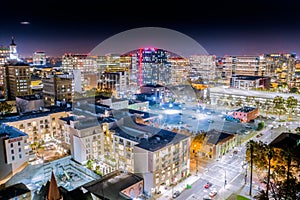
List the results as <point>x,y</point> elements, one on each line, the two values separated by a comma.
<point>245,109</point>
<point>153,86</point>
<point>10,131</point>
<point>241,77</point>
<point>31,97</point>
<point>35,114</point>
<point>258,94</point>
<point>111,185</point>
<point>13,191</point>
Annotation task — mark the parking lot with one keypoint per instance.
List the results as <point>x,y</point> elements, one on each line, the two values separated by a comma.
<point>194,119</point>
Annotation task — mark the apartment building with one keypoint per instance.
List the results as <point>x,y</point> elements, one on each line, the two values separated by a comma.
<point>14,150</point>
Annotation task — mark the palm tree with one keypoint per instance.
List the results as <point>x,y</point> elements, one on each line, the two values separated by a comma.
<point>239,101</point>
<point>250,149</point>
<point>270,153</point>
<point>291,104</point>
<point>278,104</point>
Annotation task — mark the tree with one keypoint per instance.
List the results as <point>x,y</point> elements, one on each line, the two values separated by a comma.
<point>21,105</point>
<point>260,125</point>
<point>291,104</point>
<point>267,106</point>
<point>250,149</point>
<point>294,90</point>
<point>5,108</point>
<point>278,105</point>
<point>270,153</point>
<point>249,100</point>
<point>239,101</point>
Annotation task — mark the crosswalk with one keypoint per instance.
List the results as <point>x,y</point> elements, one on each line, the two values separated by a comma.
<point>194,197</point>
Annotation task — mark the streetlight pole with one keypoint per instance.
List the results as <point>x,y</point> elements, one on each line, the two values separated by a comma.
<point>251,167</point>
<point>225,182</point>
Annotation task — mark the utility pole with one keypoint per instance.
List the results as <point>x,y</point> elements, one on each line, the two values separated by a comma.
<point>251,167</point>
<point>196,166</point>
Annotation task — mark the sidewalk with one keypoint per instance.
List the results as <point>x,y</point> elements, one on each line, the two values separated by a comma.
<point>167,194</point>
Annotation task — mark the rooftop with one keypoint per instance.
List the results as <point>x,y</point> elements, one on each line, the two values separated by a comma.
<point>10,131</point>
<point>215,136</point>
<point>241,77</point>
<point>245,109</point>
<point>153,86</point>
<point>13,191</point>
<point>31,97</point>
<point>19,64</point>
<point>110,186</point>
<point>34,114</point>
<point>288,141</point>
<point>148,137</point>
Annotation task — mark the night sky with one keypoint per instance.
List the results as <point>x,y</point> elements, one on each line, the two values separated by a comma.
<point>227,27</point>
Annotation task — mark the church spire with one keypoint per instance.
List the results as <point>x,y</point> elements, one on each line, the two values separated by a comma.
<point>13,41</point>
<point>53,192</point>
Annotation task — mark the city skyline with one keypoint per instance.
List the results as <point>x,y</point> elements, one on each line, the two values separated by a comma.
<point>221,28</point>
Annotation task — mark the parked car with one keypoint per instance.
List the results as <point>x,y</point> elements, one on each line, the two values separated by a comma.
<point>212,193</point>
<point>207,185</point>
<point>176,194</point>
<point>206,197</point>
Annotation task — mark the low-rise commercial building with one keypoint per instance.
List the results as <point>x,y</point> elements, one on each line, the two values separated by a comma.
<point>246,114</point>
<point>217,143</point>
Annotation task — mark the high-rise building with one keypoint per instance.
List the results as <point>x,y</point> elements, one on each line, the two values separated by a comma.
<point>153,66</point>
<point>4,54</point>
<point>39,58</point>
<point>3,83</point>
<point>203,67</point>
<point>85,64</point>
<point>281,67</point>
<point>180,68</point>
<point>18,80</point>
<point>57,88</point>
<point>116,82</point>
<point>244,65</point>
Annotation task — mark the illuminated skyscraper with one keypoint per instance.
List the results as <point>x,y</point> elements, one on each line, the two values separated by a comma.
<point>153,66</point>
<point>39,58</point>
<point>180,69</point>
<point>4,54</point>
<point>18,80</point>
<point>280,67</point>
<point>203,67</point>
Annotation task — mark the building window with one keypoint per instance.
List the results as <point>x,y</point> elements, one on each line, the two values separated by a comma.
<point>20,156</point>
<point>12,151</point>
<point>11,145</point>
<point>19,149</point>
<point>19,143</point>
<point>13,157</point>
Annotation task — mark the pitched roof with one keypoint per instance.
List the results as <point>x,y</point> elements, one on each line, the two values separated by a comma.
<point>13,191</point>
<point>288,141</point>
<point>53,192</point>
<point>215,137</point>
<point>110,186</point>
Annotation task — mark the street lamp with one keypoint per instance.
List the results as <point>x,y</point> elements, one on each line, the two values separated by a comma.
<point>225,180</point>
<point>251,166</point>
